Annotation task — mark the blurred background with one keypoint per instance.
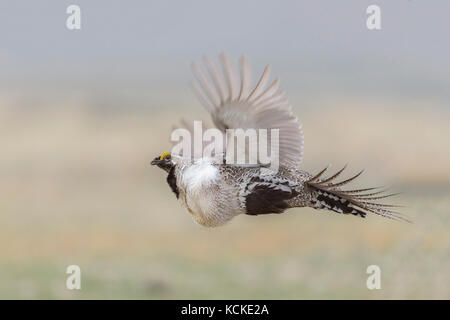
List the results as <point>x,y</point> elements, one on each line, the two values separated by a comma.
<point>82,113</point>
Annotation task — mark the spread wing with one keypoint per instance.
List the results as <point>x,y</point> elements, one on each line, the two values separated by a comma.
<point>234,104</point>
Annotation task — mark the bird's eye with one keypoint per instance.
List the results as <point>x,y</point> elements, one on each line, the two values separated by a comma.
<point>166,156</point>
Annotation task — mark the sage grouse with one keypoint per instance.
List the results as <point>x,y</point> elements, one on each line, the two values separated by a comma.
<point>215,192</point>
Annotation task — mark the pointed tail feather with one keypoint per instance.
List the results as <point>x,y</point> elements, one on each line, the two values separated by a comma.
<point>328,195</point>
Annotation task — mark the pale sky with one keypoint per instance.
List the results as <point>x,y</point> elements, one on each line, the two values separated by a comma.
<point>144,48</point>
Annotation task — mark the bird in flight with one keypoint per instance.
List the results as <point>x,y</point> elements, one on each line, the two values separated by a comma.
<point>214,191</point>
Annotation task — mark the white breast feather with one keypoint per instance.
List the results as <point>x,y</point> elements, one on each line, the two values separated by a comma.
<point>199,175</point>
<point>197,182</point>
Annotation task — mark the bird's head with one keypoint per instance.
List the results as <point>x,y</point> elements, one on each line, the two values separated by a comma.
<point>164,161</point>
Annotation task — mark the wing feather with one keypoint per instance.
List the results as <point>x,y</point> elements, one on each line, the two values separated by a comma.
<point>235,105</point>
<point>260,85</point>
<point>205,85</point>
<point>230,75</point>
<point>217,79</point>
<point>246,75</point>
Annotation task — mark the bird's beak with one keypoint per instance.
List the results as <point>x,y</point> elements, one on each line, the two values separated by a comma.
<point>155,161</point>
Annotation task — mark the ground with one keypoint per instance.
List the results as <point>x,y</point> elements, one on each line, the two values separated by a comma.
<point>77,188</point>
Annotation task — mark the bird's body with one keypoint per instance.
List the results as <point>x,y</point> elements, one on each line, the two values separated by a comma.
<point>214,191</point>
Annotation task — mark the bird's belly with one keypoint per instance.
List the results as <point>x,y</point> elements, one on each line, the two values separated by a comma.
<point>198,204</point>
<point>210,201</point>
<point>211,206</point>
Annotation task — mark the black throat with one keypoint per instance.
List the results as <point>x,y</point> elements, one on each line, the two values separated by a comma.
<point>172,181</point>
